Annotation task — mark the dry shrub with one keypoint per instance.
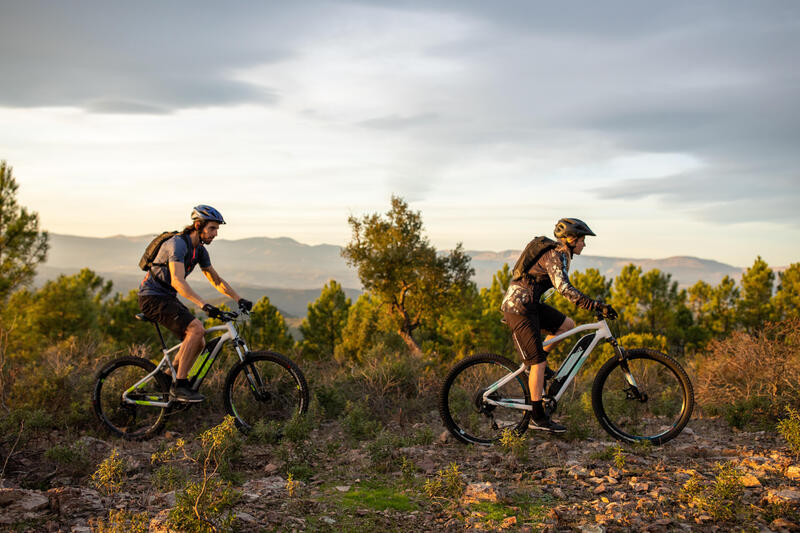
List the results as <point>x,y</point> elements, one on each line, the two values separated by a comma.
<point>752,375</point>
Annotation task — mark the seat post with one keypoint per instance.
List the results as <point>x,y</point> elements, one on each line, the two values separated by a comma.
<point>160,337</point>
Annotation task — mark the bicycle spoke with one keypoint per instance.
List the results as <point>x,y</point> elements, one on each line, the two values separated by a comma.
<point>464,405</point>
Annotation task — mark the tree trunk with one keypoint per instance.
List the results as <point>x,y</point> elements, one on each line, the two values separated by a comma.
<point>412,344</point>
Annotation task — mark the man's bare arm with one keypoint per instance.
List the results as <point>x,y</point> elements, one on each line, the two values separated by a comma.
<point>220,284</point>
<point>177,272</point>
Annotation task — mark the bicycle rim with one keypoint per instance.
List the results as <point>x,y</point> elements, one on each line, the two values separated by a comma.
<point>264,392</point>
<point>127,420</point>
<point>656,410</point>
<point>466,413</point>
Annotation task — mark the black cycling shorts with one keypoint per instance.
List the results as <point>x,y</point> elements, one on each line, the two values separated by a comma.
<point>167,311</point>
<point>526,331</point>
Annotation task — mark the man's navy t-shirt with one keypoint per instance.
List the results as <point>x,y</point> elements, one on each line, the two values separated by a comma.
<point>179,250</point>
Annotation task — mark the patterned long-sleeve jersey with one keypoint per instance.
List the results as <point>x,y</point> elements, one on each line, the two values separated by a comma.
<point>551,270</point>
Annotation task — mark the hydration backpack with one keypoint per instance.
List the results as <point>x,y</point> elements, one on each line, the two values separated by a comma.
<point>151,251</point>
<point>533,251</point>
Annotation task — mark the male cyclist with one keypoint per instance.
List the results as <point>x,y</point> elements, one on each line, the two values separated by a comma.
<point>544,264</point>
<point>158,293</point>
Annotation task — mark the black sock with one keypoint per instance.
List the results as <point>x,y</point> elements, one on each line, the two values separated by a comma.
<point>182,383</point>
<point>538,410</point>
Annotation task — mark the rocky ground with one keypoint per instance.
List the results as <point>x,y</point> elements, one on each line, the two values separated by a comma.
<point>709,479</point>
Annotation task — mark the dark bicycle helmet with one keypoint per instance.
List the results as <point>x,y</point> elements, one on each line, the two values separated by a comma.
<point>208,213</point>
<point>571,227</point>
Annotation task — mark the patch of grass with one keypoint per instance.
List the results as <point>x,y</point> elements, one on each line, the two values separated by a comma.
<point>379,498</point>
<point>578,417</point>
<point>525,506</point>
<point>300,458</point>
<point>72,459</point>
<point>265,432</point>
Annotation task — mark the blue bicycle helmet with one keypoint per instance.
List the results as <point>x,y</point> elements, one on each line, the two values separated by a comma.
<point>208,213</point>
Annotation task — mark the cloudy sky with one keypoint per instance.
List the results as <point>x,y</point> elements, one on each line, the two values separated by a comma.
<point>672,128</point>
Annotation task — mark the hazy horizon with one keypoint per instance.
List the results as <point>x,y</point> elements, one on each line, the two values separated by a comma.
<point>668,128</point>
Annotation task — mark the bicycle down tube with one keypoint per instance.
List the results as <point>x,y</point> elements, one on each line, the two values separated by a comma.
<point>566,372</point>
<point>199,368</point>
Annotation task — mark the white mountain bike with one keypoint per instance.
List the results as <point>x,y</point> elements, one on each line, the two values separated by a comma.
<point>637,395</point>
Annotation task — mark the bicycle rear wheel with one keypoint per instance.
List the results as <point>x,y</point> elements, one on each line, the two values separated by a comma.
<point>266,389</point>
<point>129,420</point>
<point>645,397</point>
<point>465,412</point>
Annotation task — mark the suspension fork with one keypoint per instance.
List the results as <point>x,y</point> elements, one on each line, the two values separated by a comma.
<point>623,364</point>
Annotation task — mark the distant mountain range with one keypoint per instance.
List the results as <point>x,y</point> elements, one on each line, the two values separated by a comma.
<point>292,273</point>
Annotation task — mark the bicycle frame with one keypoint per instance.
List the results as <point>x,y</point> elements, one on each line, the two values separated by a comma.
<point>200,367</point>
<point>568,369</point>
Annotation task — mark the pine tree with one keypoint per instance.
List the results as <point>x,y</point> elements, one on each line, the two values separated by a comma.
<point>755,307</point>
<point>22,245</point>
<point>323,325</point>
<point>267,328</point>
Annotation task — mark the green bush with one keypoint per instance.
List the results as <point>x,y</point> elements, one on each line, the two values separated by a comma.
<point>121,521</point>
<point>723,498</point>
<point>204,507</point>
<point>72,459</point>
<point>514,443</point>
<point>358,423</point>
<point>446,486</point>
<point>108,476</point>
<point>789,428</point>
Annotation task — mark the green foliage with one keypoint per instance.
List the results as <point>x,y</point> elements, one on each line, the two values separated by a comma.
<point>169,477</point>
<point>446,486</point>
<point>755,307</point>
<point>378,498</point>
<point>204,507</point>
<point>787,298</point>
<point>369,328</point>
<point>723,498</point>
<point>398,265</point>
<point>300,458</point>
<point>264,432</point>
<point>323,325</point>
<point>22,245</point>
<point>514,443</point>
<point>108,476</point>
<point>789,428</point>
<point>358,423</point>
<point>121,521</point>
<point>331,400</point>
<point>71,459</point>
<point>384,452</point>
<point>267,328</point>
<point>299,427</point>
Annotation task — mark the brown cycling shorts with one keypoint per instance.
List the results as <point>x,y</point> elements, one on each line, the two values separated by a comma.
<point>526,331</point>
<point>167,311</point>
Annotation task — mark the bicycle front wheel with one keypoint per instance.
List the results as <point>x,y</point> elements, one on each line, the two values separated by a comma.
<point>130,419</point>
<point>645,397</point>
<point>266,389</point>
<point>463,404</point>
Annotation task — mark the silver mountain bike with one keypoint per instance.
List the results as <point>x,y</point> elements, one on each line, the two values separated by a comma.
<point>637,395</point>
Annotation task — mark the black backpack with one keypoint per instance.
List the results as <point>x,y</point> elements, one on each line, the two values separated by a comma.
<point>535,249</point>
<point>150,253</point>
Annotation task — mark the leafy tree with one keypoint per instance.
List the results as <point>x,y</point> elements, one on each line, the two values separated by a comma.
<point>368,326</point>
<point>399,266</point>
<point>64,307</point>
<point>267,328</point>
<point>787,299</point>
<point>326,318</point>
<point>22,245</point>
<point>591,283</point>
<point>120,324</point>
<point>755,306</point>
<point>496,337</point>
<point>714,308</point>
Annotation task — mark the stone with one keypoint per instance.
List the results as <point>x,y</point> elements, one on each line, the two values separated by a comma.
<point>343,488</point>
<point>508,522</point>
<point>20,504</point>
<point>793,472</point>
<point>328,520</point>
<point>271,468</point>
<point>782,495</point>
<point>75,502</point>
<point>781,524</point>
<point>479,492</point>
<point>599,489</point>
<point>591,528</point>
<point>444,437</point>
<point>750,481</point>
<point>558,493</point>
<point>158,524</point>
<point>245,517</point>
